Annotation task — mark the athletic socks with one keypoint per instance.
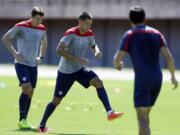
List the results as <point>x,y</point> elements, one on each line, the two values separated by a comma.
<point>23,101</point>
<point>27,107</point>
<point>104,98</point>
<point>49,110</point>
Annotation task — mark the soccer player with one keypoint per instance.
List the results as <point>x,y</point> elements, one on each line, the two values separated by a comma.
<point>32,44</point>
<point>144,43</point>
<point>72,67</point>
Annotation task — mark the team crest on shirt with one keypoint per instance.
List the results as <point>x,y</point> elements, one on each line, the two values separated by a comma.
<point>24,79</point>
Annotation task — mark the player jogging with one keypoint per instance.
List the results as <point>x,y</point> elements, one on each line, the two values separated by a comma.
<point>144,43</point>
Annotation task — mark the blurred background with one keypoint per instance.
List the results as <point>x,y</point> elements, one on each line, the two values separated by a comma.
<point>81,113</point>
<point>110,22</point>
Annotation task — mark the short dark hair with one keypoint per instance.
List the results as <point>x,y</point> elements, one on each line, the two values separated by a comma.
<point>37,11</point>
<point>84,16</point>
<point>137,14</point>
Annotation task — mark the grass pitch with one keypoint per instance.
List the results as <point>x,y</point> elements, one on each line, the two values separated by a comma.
<point>81,112</point>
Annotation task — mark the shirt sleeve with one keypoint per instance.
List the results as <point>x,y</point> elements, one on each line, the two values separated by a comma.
<point>14,32</point>
<point>44,35</point>
<point>163,42</point>
<point>67,39</point>
<point>92,41</point>
<point>124,43</point>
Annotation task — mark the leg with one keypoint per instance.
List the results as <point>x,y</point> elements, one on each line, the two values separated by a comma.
<point>87,78</point>
<point>24,100</point>
<point>143,120</point>
<point>33,79</point>
<point>49,110</point>
<point>143,104</point>
<point>63,84</point>
<point>24,105</point>
<point>29,104</point>
<point>23,75</point>
<point>144,98</point>
<point>98,84</point>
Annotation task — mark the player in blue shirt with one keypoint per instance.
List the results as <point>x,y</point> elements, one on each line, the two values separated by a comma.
<point>144,43</point>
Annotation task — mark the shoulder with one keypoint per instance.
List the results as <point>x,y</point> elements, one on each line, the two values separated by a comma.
<point>22,23</point>
<point>72,30</point>
<point>75,31</point>
<point>146,30</point>
<point>41,26</point>
<point>128,33</point>
<point>27,24</point>
<point>89,33</point>
<point>153,30</point>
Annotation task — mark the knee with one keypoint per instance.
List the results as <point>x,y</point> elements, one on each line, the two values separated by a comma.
<point>97,83</point>
<point>31,93</point>
<point>28,90</point>
<point>56,101</point>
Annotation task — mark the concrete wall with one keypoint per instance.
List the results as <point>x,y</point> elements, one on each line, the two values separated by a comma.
<point>104,9</point>
<point>107,33</point>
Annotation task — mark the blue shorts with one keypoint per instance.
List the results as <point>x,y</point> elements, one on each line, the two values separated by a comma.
<point>26,74</point>
<point>65,81</point>
<point>146,96</point>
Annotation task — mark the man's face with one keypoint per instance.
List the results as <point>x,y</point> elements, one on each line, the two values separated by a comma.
<point>36,20</point>
<point>85,24</point>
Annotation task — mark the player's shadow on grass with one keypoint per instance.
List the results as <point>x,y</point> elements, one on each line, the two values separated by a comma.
<point>24,130</point>
<point>68,134</point>
<point>71,134</point>
<point>35,131</point>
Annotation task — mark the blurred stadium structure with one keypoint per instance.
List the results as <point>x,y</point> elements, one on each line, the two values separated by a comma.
<point>110,22</point>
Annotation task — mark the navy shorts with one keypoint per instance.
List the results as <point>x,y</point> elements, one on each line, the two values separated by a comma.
<point>146,96</point>
<point>65,81</point>
<point>26,74</point>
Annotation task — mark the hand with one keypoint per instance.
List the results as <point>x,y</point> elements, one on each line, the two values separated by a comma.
<point>118,65</point>
<point>18,56</point>
<point>98,55</point>
<point>174,82</point>
<point>38,60</point>
<point>82,61</point>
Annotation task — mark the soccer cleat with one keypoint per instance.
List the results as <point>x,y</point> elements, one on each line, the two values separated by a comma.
<point>23,124</point>
<point>42,129</point>
<point>114,115</point>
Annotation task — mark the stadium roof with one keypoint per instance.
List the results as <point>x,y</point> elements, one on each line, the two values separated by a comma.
<point>100,9</point>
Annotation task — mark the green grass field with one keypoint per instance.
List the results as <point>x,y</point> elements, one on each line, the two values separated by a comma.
<point>81,112</point>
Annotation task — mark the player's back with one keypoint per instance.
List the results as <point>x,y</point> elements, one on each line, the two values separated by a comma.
<point>144,45</point>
